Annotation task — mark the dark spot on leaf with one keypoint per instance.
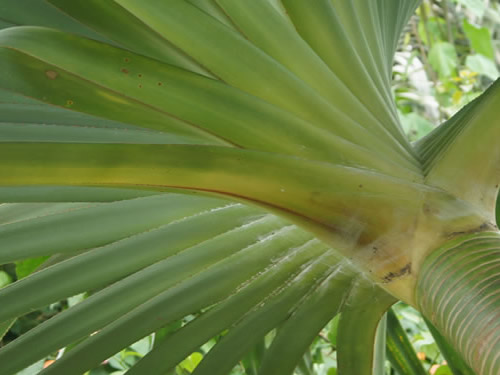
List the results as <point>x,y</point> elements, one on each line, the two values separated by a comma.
<point>160,84</point>
<point>406,270</point>
<point>360,186</point>
<point>124,70</point>
<point>69,102</point>
<point>483,227</point>
<point>126,59</point>
<point>139,75</point>
<point>140,86</point>
<point>51,74</point>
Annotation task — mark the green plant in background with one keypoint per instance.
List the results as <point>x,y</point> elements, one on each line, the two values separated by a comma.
<point>446,59</point>
<point>231,177</point>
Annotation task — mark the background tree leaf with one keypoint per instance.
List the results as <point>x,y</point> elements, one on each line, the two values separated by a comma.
<point>480,39</point>
<point>482,65</point>
<point>443,58</point>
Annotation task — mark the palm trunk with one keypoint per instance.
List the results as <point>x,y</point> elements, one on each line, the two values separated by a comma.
<point>458,291</point>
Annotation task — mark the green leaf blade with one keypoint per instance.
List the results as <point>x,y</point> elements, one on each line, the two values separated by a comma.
<point>399,349</point>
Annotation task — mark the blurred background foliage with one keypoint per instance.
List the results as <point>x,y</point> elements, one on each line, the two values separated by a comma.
<point>448,55</point>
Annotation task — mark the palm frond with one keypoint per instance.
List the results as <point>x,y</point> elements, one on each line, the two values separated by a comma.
<point>285,106</point>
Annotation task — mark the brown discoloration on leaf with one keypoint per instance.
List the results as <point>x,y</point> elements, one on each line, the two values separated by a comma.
<point>48,362</point>
<point>406,270</point>
<point>483,227</point>
<point>51,74</point>
<point>124,70</point>
<point>429,210</point>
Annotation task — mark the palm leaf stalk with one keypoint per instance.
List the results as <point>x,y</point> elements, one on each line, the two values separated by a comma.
<point>241,160</point>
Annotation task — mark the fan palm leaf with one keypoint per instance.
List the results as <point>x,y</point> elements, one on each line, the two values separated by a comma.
<point>242,162</point>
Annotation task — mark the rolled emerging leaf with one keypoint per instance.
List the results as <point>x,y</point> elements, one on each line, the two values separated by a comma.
<point>282,106</point>
<point>458,291</point>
